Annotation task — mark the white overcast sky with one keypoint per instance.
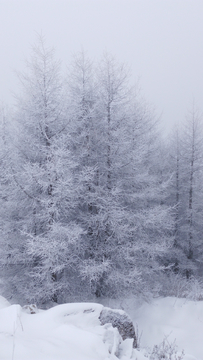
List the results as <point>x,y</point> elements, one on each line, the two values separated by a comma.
<point>161,41</point>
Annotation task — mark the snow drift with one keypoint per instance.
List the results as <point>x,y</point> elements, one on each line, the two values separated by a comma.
<point>68,331</point>
<point>75,331</point>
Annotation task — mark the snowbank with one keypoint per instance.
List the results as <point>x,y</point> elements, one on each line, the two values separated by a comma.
<point>65,332</point>
<point>172,318</point>
<point>74,332</point>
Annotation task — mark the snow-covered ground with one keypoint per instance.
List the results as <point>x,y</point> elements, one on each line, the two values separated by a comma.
<point>73,331</point>
<point>172,318</point>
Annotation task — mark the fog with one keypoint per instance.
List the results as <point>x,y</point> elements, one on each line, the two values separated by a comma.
<point>161,41</point>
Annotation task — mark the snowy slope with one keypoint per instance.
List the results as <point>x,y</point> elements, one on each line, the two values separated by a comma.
<point>65,332</point>
<point>73,331</point>
<point>172,318</point>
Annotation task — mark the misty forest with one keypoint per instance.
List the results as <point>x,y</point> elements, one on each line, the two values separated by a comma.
<point>95,201</point>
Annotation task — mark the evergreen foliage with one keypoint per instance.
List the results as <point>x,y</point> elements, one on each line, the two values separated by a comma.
<point>92,203</point>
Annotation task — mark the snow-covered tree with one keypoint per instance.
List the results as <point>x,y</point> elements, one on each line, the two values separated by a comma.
<point>185,193</point>
<point>45,238</point>
<point>86,210</point>
<point>192,162</point>
<point>129,228</point>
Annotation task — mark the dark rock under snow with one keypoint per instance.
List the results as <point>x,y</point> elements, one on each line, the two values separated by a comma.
<point>120,320</point>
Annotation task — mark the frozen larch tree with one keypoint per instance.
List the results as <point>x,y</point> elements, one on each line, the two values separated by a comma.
<point>45,237</point>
